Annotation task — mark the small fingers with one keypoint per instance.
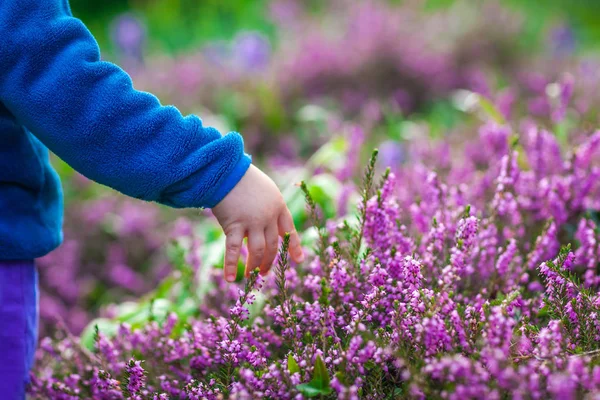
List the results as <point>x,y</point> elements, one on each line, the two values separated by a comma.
<point>286,225</point>
<point>233,245</point>
<point>271,247</point>
<point>256,250</point>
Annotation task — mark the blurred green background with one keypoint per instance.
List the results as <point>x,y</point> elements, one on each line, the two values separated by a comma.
<point>178,25</point>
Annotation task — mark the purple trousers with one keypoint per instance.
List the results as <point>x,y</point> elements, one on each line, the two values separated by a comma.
<point>18,326</point>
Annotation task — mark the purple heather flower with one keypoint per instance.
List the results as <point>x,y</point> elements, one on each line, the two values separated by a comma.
<point>566,86</point>
<point>391,154</point>
<point>218,53</point>
<point>129,36</point>
<point>562,40</point>
<point>252,51</point>
<point>135,377</point>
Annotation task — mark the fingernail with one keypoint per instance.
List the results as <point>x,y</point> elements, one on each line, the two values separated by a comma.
<point>230,277</point>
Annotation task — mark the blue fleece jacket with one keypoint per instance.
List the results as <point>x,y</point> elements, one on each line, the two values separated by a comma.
<point>56,93</point>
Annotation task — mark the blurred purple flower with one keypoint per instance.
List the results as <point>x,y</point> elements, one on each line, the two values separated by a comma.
<point>217,53</point>
<point>252,51</point>
<point>125,277</point>
<point>51,309</point>
<point>478,82</point>
<point>562,40</point>
<point>136,218</point>
<point>120,273</point>
<point>77,319</point>
<point>539,106</point>
<point>343,198</point>
<point>566,86</point>
<point>505,101</point>
<point>288,147</point>
<point>182,227</point>
<point>403,99</point>
<point>391,154</point>
<point>128,34</point>
<point>284,12</point>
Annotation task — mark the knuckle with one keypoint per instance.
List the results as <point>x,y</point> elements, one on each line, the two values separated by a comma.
<point>233,248</point>
<point>259,219</point>
<point>280,206</point>
<point>231,261</point>
<point>232,229</point>
<point>259,251</point>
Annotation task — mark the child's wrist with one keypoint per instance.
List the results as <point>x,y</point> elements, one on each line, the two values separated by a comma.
<point>236,174</point>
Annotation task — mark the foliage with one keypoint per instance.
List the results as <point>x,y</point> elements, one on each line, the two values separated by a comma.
<point>437,289</point>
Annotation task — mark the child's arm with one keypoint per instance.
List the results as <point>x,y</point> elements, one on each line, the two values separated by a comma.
<point>89,114</point>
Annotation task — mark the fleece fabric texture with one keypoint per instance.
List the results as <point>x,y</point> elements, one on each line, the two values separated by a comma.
<point>56,93</point>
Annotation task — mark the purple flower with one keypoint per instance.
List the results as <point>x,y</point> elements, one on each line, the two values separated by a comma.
<point>217,53</point>
<point>562,40</point>
<point>252,51</point>
<point>129,36</point>
<point>135,377</point>
<point>391,154</point>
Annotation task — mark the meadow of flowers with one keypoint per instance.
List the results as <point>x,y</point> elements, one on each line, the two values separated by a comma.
<point>456,263</point>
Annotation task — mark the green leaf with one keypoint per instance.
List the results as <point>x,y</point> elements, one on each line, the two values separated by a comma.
<point>543,312</point>
<point>292,365</point>
<point>468,101</point>
<point>490,109</point>
<point>312,113</point>
<point>330,154</point>
<point>105,325</point>
<point>212,254</point>
<point>139,313</point>
<point>297,208</point>
<point>256,308</point>
<point>320,383</point>
<point>165,287</point>
<point>309,237</point>
<point>324,187</point>
<point>310,391</point>
<point>186,309</point>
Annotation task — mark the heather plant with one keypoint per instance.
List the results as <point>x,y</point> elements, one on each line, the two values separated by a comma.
<point>123,252</point>
<point>470,277</point>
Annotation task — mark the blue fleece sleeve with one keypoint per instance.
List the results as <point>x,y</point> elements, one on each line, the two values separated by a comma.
<point>88,113</point>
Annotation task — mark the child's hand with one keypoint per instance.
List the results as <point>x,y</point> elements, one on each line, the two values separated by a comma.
<point>255,209</point>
